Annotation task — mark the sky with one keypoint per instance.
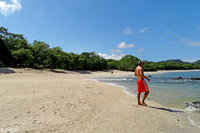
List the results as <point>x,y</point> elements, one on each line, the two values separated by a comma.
<point>152,30</point>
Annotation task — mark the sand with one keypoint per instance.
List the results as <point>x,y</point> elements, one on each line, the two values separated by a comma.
<point>35,101</point>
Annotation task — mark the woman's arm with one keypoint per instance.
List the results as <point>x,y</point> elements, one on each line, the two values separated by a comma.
<point>142,75</point>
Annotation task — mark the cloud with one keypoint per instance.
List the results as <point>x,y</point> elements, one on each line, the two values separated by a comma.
<point>7,9</point>
<point>198,27</point>
<point>168,32</point>
<point>171,42</point>
<point>140,50</point>
<point>171,16</point>
<point>124,45</point>
<point>189,42</point>
<point>127,31</point>
<point>143,29</point>
<point>165,18</point>
<point>113,56</point>
<point>191,60</point>
<point>115,51</point>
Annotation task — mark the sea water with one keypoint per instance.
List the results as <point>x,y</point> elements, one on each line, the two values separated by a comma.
<point>166,90</point>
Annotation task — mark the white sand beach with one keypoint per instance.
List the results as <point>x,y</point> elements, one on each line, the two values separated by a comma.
<point>35,101</point>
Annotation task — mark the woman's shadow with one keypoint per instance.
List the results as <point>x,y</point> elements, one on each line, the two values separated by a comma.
<point>165,109</point>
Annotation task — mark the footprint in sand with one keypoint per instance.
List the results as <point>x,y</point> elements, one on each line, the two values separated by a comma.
<point>18,116</point>
<point>17,125</point>
<point>70,106</point>
<point>34,121</point>
<point>41,107</point>
<point>56,110</point>
<point>29,112</point>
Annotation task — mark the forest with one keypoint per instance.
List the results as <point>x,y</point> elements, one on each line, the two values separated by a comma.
<point>17,52</point>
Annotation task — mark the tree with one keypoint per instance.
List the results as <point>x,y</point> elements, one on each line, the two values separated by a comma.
<point>53,59</point>
<point>39,50</point>
<point>23,57</point>
<point>6,58</point>
<point>128,63</point>
<point>112,64</point>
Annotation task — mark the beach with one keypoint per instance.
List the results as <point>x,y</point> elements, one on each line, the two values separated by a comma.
<point>39,101</point>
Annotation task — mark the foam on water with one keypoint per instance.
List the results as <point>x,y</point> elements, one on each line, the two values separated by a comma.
<point>192,109</point>
<point>129,93</point>
<point>113,84</point>
<point>124,89</point>
<point>192,122</point>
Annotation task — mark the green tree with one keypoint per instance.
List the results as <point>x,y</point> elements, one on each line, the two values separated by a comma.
<point>23,57</point>
<point>39,50</point>
<point>54,58</point>
<point>128,63</point>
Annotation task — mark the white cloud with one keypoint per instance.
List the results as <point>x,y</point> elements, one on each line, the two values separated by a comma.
<point>113,56</point>
<point>143,29</point>
<point>124,45</point>
<point>191,60</point>
<point>127,31</point>
<point>189,42</point>
<point>7,9</point>
<point>165,18</point>
<point>115,51</point>
<point>140,50</point>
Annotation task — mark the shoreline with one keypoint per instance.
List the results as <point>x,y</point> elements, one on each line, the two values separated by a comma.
<point>172,109</point>
<point>52,102</point>
<point>5,70</point>
<point>162,71</point>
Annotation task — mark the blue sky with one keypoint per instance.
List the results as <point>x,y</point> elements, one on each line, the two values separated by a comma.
<point>152,30</point>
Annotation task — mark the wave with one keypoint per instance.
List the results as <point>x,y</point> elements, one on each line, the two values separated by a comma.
<point>113,79</point>
<point>175,81</point>
<point>192,109</point>
<point>192,122</point>
<point>129,93</point>
<point>113,84</point>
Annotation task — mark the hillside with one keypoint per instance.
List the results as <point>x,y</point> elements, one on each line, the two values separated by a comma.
<point>175,61</point>
<point>198,61</point>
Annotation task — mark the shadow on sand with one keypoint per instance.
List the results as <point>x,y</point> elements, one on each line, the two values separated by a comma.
<point>165,109</point>
<point>6,71</point>
<point>68,72</point>
<point>56,71</point>
<point>84,72</point>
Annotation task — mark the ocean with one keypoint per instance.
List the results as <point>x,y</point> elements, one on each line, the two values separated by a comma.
<point>166,90</point>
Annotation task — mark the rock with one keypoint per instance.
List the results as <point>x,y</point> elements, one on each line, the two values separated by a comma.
<point>194,78</point>
<point>193,104</point>
<point>179,77</point>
